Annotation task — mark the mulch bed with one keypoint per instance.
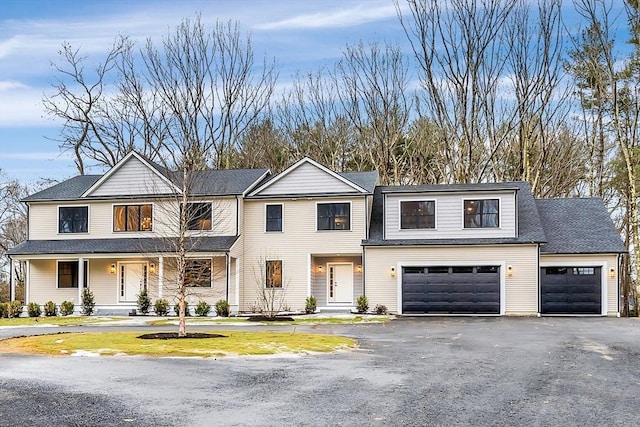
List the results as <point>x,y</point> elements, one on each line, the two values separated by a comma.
<point>174,335</point>
<point>270,319</point>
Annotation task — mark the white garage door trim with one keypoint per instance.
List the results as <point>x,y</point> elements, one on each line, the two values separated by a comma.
<point>603,278</point>
<point>400,264</point>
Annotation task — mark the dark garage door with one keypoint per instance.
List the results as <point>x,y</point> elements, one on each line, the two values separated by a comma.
<point>571,290</point>
<point>451,290</point>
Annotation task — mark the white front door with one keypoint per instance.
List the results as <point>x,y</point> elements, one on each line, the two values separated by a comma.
<point>133,277</point>
<point>340,283</point>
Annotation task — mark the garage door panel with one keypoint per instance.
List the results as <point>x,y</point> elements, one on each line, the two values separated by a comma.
<point>571,290</point>
<point>451,290</point>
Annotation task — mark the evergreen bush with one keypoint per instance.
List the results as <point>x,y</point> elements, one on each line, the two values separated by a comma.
<point>202,309</point>
<point>88,303</point>
<point>66,308</point>
<point>222,308</point>
<point>33,309</point>
<point>161,307</point>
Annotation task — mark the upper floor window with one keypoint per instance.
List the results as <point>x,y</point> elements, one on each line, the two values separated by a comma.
<point>198,272</point>
<point>417,214</point>
<point>68,274</point>
<point>482,213</point>
<point>73,219</point>
<point>133,218</point>
<point>274,218</point>
<point>334,216</point>
<point>273,274</point>
<point>199,216</point>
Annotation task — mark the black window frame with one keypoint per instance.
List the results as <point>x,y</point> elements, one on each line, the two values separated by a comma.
<point>73,273</point>
<point>476,214</point>
<point>77,224</point>
<point>273,222</point>
<point>128,216</point>
<point>197,214</point>
<point>270,266</point>
<point>416,217</point>
<point>328,220</point>
<point>198,267</point>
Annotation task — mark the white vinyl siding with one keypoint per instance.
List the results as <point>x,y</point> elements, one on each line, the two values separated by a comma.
<point>131,179</point>
<point>295,244</point>
<point>165,217</point>
<point>450,216</point>
<point>521,289</point>
<point>307,179</point>
<point>607,261</point>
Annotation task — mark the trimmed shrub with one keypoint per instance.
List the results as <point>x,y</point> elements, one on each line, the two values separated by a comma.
<point>381,309</point>
<point>4,310</point>
<point>50,309</point>
<point>66,308</point>
<point>161,307</point>
<point>144,302</point>
<point>362,304</point>
<point>202,309</point>
<point>176,309</point>
<point>14,309</point>
<point>33,309</point>
<point>310,305</point>
<point>88,303</point>
<point>222,308</point>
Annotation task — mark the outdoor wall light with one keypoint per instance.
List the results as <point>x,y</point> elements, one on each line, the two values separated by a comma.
<point>112,269</point>
<point>359,268</point>
<point>509,270</point>
<point>152,267</point>
<point>393,271</point>
<point>319,268</point>
<point>612,273</point>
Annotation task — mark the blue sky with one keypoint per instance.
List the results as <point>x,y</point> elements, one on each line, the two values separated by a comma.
<point>301,35</point>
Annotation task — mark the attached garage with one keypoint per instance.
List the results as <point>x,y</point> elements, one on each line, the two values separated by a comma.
<point>571,290</point>
<point>451,290</point>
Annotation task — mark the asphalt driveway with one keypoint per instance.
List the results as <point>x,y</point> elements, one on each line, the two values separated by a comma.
<point>412,371</point>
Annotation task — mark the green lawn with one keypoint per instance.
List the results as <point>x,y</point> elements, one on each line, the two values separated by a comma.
<point>57,321</point>
<point>128,343</point>
<point>296,320</point>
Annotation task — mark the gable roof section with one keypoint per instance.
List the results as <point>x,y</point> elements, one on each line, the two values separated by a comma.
<point>578,225</point>
<point>307,177</point>
<point>529,225</point>
<point>71,189</point>
<point>151,179</point>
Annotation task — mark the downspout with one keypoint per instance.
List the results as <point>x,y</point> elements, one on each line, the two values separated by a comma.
<point>237,215</point>
<point>364,282</point>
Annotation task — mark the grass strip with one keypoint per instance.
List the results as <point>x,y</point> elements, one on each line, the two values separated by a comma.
<point>128,343</point>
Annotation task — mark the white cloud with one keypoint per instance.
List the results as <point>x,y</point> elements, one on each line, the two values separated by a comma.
<point>11,85</point>
<point>346,17</point>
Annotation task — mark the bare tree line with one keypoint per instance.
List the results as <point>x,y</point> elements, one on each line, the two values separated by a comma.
<point>491,90</point>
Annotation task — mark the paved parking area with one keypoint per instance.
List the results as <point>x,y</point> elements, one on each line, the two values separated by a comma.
<point>411,371</point>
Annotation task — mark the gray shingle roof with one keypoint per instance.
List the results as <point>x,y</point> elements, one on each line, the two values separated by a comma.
<point>125,245</point>
<point>70,189</point>
<point>578,226</point>
<point>366,180</point>
<point>206,183</point>
<point>529,226</point>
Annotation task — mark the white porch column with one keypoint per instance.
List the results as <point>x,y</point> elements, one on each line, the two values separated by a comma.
<point>27,280</point>
<point>160,275</point>
<point>80,280</point>
<point>238,283</point>
<point>227,260</point>
<point>12,278</point>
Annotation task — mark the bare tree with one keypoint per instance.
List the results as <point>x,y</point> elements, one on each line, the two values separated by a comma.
<point>199,91</point>
<point>459,49</point>
<point>372,82</point>
<point>13,229</point>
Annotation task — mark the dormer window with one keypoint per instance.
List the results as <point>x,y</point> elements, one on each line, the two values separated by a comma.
<point>482,213</point>
<point>418,214</point>
<point>73,219</point>
<point>132,218</point>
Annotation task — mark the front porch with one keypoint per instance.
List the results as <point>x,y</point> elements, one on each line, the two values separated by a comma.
<point>336,281</point>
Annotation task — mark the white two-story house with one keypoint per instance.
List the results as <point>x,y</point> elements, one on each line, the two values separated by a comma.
<point>479,249</point>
